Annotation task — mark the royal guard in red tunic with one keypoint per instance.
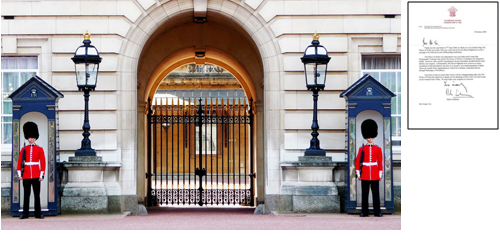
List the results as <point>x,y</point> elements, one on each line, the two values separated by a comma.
<point>369,169</point>
<point>31,169</point>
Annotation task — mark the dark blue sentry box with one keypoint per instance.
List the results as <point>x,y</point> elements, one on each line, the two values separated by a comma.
<point>366,99</point>
<point>36,101</point>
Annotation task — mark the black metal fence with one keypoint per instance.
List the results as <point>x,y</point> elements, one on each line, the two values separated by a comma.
<point>200,152</point>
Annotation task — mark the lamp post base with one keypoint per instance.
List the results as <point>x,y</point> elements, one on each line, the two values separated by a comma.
<point>85,152</point>
<point>315,152</point>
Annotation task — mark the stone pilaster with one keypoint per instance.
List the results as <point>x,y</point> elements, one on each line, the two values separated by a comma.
<point>308,186</point>
<point>92,186</point>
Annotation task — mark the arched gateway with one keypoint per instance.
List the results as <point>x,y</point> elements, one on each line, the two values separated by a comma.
<point>176,34</point>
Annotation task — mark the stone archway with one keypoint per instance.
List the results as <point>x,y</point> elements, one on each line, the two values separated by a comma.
<point>155,47</point>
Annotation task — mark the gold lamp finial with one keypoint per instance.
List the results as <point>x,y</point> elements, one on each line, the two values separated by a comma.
<point>86,36</point>
<point>316,36</point>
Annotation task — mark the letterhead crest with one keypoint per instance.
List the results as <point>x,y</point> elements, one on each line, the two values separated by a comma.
<point>452,11</point>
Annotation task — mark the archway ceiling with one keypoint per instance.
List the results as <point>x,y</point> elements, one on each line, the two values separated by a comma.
<point>219,33</point>
<point>194,77</point>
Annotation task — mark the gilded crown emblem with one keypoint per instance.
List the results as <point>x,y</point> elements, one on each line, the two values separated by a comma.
<point>86,36</point>
<point>316,36</point>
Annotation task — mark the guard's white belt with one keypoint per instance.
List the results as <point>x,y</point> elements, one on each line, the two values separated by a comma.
<point>369,163</point>
<point>31,163</point>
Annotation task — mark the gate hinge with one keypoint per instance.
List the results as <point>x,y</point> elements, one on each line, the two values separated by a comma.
<point>252,175</point>
<point>148,175</point>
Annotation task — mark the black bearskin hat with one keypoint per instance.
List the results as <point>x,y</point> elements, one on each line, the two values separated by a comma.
<point>30,130</point>
<point>369,128</point>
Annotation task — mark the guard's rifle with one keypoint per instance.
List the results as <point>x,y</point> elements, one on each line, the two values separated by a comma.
<point>361,159</point>
<point>23,161</point>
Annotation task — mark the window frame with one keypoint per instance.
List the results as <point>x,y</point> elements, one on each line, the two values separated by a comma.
<point>7,147</point>
<point>398,114</point>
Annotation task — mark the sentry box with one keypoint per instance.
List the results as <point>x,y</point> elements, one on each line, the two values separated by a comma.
<point>366,99</point>
<point>36,101</point>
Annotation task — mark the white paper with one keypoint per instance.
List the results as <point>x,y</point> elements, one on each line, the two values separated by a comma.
<point>452,65</point>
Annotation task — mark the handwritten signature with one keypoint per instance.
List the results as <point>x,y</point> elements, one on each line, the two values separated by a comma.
<point>454,91</point>
<point>430,42</point>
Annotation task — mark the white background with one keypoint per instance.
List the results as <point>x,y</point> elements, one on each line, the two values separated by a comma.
<point>462,113</point>
<point>450,182</point>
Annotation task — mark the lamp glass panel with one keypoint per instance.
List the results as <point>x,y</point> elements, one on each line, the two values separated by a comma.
<point>92,51</point>
<point>93,68</point>
<point>80,51</point>
<point>310,73</point>
<point>322,50</point>
<point>86,74</point>
<point>310,51</point>
<point>81,79</point>
<point>321,74</point>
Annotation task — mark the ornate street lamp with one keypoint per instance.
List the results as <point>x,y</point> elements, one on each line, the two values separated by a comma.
<point>315,62</point>
<point>86,61</point>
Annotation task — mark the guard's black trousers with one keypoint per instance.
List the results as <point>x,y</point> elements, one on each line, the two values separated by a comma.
<point>27,184</point>
<point>365,188</point>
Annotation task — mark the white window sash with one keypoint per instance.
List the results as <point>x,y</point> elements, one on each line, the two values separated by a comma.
<point>11,65</point>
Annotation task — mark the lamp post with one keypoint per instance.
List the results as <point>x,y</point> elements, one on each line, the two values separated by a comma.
<point>86,61</point>
<point>315,62</point>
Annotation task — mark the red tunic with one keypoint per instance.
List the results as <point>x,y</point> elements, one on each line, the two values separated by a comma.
<point>35,162</point>
<point>372,162</point>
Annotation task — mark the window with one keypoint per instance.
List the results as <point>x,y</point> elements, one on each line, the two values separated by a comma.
<point>387,70</point>
<point>15,72</point>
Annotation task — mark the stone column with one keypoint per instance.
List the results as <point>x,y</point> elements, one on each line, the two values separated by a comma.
<point>92,186</point>
<point>308,186</point>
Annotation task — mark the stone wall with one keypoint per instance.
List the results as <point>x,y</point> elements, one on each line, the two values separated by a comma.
<point>278,30</point>
<point>282,203</point>
<point>6,177</point>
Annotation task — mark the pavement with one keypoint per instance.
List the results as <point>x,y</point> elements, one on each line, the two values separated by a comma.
<point>205,218</point>
<point>202,227</point>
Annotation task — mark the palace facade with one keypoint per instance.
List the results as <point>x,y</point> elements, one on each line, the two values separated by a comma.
<point>238,60</point>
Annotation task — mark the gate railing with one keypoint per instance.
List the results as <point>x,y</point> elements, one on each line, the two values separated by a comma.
<point>200,153</point>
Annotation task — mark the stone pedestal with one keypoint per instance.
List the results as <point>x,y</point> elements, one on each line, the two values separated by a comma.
<point>92,186</point>
<point>308,186</point>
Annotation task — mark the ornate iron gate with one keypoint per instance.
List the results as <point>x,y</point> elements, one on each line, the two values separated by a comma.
<point>200,153</point>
